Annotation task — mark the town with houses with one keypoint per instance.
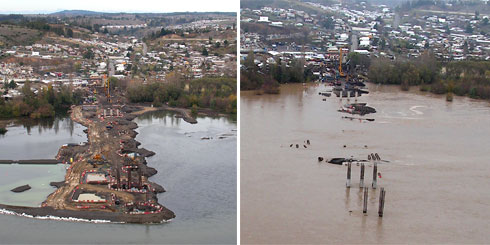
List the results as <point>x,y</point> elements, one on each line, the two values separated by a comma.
<point>319,32</point>
<point>91,59</point>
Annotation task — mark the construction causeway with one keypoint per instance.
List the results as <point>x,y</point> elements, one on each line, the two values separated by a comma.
<point>108,177</point>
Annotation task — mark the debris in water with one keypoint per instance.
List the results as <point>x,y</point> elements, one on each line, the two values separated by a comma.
<point>21,188</point>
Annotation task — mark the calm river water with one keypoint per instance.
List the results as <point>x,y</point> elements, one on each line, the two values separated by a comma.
<point>34,140</point>
<point>200,179</point>
<point>437,181</point>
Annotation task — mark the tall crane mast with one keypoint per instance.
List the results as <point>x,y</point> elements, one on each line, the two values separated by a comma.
<point>107,88</point>
<point>341,73</point>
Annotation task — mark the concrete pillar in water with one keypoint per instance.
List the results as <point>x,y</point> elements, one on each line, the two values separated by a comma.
<point>105,113</point>
<point>364,208</point>
<point>382,194</point>
<point>375,174</point>
<point>111,112</point>
<point>348,174</point>
<point>361,183</point>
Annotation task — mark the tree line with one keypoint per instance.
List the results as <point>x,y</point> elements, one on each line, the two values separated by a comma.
<point>44,104</point>
<point>464,78</point>
<point>216,93</point>
<point>268,78</point>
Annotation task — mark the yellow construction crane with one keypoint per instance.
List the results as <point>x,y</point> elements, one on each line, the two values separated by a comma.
<point>107,88</point>
<point>341,73</point>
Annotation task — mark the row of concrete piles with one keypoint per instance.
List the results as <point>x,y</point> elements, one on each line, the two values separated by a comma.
<point>130,169</point>
<point>375,159</point>
<point>112,112</point>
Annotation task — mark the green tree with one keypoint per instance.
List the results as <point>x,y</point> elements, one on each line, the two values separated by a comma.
<point>12,84</point>
<point>69,32</point>
<point>89,54</point>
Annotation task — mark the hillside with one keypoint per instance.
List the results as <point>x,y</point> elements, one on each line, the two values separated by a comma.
<point>11,35</point>
<point>76,12</point>
<point>285,4</point>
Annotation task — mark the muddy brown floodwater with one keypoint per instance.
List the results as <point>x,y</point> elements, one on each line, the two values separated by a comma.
<point>437,181</point>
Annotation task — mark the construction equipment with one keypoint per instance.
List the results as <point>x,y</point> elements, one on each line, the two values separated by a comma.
<point>341,73</point>
<point>107,88</point>
<point>98,159</point>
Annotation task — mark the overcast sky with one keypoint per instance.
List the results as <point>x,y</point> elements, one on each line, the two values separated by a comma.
<point>133,6</point>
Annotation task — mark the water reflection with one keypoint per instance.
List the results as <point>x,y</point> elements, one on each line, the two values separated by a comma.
<point>199,176</point>
<point>40,138</point>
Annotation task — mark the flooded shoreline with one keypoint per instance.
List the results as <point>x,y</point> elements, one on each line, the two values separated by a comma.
<point>436,179</point>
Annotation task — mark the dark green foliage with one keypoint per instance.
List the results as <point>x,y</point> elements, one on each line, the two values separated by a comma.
<point>424,70</point>
<point>164,32</point>
<point>45,104</point>
<point>89,54</point>
<point>69,32</point>
<point>12,84</point>
<point>215,93</point>
<point>269,78</point>
<point>470,78</point>
<point>328,23</point>
<point>357,59</point>
<point>463,78</point>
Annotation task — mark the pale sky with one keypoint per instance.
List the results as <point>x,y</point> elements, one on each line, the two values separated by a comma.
<point>129,6</point>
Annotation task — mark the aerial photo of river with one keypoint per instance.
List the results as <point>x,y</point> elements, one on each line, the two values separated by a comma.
<point>435,175</point>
